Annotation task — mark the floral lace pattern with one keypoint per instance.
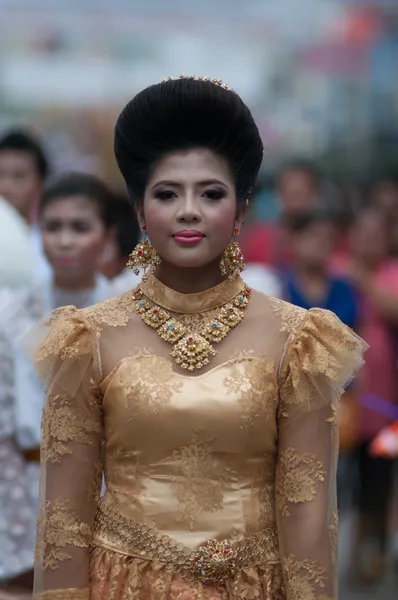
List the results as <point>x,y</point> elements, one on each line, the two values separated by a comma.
<point>62,423</point>
<point>58,526</point>
<point>149,385</point>
<point>297,478</point>
<point>304,579</point>
<point>253,381</point>
<point>200,482</point>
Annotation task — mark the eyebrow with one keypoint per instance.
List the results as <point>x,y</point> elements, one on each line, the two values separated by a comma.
<point>200,183</point>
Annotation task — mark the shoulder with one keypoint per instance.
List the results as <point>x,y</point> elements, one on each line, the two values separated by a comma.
<point>288,317</point>
<point>320,345</point>
<point>70,332</point>
<point>114,312</point>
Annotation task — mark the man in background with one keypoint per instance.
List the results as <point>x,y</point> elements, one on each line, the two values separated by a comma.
<point>23,171</point>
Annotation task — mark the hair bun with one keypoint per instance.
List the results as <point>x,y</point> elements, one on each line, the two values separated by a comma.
<point>184,113</point>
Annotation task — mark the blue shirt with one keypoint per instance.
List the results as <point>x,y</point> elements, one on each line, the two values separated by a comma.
<point>341,299</point>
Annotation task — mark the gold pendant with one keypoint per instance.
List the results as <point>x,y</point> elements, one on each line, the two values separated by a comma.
<point>192,350</point>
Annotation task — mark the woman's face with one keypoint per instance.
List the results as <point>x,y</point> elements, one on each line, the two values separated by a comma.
<point>74,237</point>
<point>189,208</point>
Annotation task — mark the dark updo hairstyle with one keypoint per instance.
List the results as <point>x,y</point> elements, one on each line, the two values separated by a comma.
<point>182,114</point>
<point>81,184</point>
<point>127,229</point>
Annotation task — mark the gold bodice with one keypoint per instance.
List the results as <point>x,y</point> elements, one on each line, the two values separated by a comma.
<point>243,450</point>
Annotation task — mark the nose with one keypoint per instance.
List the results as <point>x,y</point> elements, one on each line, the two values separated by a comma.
<point>189,208</point>
<point>65,238</point>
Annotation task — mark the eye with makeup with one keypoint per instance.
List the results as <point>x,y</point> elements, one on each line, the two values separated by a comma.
<point>214,193</point>
<point>211,194</point>
<point>165,195</point>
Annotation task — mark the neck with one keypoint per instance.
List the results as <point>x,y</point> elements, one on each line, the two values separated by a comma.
<point>190,280</point>
<point>88,283</point>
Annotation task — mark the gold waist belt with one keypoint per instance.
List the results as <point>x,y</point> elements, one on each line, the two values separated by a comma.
<point>213,563</point>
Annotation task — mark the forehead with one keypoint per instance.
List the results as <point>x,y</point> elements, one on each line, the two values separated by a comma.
<point>71,207</point>
<point>370,221</point>
<point>17,159</point>
<point>192,165</point>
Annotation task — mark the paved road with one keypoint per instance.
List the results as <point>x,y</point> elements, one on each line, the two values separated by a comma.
<point>388,589</point>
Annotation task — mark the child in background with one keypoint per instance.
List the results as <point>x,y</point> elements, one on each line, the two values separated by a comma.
<point>309,283</point>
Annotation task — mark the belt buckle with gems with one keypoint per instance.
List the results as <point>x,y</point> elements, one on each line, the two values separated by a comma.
<point>215,562</point>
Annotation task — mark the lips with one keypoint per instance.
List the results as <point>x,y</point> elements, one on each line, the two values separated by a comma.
<point>188,237</point>
<point>64,261</point>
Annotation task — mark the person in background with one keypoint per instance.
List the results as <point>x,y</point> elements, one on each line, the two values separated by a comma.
<point>17,505</point>
<point>125,236</point>
<point>309,283</point>
<point>76,218</point>
<point>23,171</point>
<point>298,187</point>
<point>384,196</point>
<point>375,276</point>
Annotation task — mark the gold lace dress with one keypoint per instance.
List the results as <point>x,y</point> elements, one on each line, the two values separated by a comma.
<point>242,451</point>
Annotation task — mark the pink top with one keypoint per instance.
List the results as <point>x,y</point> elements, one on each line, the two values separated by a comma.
<point>379,378</point>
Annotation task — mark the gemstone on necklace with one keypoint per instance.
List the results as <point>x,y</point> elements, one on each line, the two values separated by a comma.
<point>192,350</point>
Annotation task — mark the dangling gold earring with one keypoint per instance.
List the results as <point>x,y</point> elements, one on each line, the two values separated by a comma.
<point>232,261</point>
<point>143,257</point>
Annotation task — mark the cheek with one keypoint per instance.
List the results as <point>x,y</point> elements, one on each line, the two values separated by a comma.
<point>49,242</point>
<point>222,222</point>
<point>91,245</point>
<point>157,218</point>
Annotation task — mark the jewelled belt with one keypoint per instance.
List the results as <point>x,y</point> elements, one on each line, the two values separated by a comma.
<point>213,563</point>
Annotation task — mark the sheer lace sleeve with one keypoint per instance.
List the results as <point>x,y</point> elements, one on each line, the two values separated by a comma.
<point>319,360</point>
<point>70,455</point>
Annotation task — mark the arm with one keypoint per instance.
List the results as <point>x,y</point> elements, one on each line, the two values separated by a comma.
<point>71,473</point>
<point>306,501</point>
<point>320,358</point>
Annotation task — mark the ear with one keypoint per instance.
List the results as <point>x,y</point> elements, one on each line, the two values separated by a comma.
<point>240,213</point>
<point>139,209</point>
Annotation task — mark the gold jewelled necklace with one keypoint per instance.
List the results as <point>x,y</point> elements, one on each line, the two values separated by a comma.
<point>192,350</point>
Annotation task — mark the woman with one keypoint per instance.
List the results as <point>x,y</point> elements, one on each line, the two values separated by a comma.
<point>76,215</point>
<point>201,401</point>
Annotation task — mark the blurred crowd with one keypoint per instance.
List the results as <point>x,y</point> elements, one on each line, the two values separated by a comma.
<point>65,240</point>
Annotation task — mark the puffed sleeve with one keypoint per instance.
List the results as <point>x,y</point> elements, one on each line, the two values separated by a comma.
<point>71,453</point>
<point>320,359</point>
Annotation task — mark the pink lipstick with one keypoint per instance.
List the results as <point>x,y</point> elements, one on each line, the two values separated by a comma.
<point>188,237</point>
